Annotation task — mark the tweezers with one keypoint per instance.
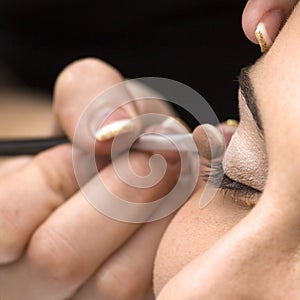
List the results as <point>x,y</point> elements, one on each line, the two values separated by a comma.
<point>147,142</point>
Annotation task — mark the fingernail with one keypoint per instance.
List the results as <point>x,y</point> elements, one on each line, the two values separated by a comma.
<point>268,28</point>
<point>175,125</point>
<point>168,126</point>
<point>109,123</point>
<point>230,126</point>
<point>115,128</point>
<point>263,37</point>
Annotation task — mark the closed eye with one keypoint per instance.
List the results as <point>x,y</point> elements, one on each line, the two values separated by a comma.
<point>238,193</point>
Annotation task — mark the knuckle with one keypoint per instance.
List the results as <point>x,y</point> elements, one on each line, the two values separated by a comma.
<point>60,182</point>
<point>55,258</point>
<point>128,284</point>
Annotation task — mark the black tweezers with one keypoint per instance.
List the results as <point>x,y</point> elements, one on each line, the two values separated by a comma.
<point>149,142</point>
<point>29,146</point>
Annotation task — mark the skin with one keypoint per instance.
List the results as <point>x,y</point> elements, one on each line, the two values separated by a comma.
<point>273,13</point>
<point>35,246</point>
<point>246,157</point>
<point>49,243</point>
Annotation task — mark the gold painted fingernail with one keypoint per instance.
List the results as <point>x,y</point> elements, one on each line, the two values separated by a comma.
<point>263,37</point>
<point>232,123</point>
<point>115,128</point>
<point>176,123</point>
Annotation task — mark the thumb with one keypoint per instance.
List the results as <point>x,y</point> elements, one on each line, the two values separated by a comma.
<point>76,88</point>
<point>93,106</point>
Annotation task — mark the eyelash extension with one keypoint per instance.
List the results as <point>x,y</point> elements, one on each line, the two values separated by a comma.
<point>239,193</point>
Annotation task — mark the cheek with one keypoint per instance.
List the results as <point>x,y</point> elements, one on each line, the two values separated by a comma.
<point>191,233</point>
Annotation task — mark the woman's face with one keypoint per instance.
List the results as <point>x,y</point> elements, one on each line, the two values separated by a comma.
<point>256,257</point>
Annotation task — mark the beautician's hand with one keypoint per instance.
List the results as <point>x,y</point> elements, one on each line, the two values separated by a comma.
<point>80,83</point>
<point>71,245</point>
<point>53,243</point>
<point>273,13</point>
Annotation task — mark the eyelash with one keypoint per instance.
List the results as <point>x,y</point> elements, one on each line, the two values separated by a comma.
<point>238,193</point>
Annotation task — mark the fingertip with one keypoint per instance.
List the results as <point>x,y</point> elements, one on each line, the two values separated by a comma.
<point>272,23</point>
<point>272,14</point>
<point>209,141</point>
<point>84,77</point>
<point>250,19</point>
<point>76,87</point>
<point>87,75</point>
<point>86,66</point>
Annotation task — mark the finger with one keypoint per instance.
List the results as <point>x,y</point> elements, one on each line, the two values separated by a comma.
<point>169,126</point>
<point>209,141</point>
<point>139,91</point>
<point>29,195</point>
<point>76,88</point>
<point>69,247</point>
<point>80,111</point>
<point>130,268</point>
<point>11,165</point>
<point>272,13</point>
<point>228,128</point>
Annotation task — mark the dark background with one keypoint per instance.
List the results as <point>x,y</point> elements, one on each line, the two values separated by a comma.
<point>199,43</point>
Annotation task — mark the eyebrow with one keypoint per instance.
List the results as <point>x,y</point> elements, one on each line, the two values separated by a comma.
<point>248,93</point>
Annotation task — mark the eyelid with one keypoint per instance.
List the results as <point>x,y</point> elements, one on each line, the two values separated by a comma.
<point>239,193</point>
